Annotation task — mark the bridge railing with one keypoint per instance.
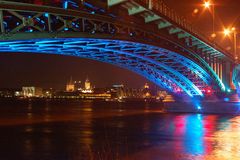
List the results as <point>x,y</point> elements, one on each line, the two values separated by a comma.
<point>163,9</point>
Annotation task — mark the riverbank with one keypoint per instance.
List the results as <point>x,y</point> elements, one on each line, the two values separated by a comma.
<point>205,107</point>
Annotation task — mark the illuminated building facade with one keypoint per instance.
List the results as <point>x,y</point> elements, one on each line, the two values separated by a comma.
<point>32,92</point>
<point>77,85</point>
<point>146,86</point>
<point>70,86</point>
<point>146,91</point>
<point>87,87</point>
<point>87,84</point>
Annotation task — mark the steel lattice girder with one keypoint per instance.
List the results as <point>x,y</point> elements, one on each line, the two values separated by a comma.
<point>134,56</point>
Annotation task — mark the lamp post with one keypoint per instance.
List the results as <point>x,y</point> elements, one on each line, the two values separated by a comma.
<point>235,42</point>
<point>232,31</point>
<point>208,5</point>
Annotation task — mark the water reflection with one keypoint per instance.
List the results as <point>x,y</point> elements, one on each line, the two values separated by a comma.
<point>193,138</point>
<point>85,129</point>
<point>227,139</point>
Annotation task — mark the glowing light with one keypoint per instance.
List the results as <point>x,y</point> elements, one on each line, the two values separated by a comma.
<point>226,99</point>
<point>146,86</point>
<point>65,5</point>
<point>199,107</point>
<point>209,91</point>
<point>46,14</point>
<point>213,35</point>
<point>226,31</point>
<point>195,11</point>
<point>229,90</point>
<point>207,4</point>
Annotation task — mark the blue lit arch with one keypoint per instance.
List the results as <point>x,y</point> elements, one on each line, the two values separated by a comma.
<point>165,68</point>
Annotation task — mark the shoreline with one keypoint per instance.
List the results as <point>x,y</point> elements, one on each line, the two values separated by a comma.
<point>204,107</point>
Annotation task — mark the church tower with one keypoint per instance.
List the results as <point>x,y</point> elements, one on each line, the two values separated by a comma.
<point>70,86</point>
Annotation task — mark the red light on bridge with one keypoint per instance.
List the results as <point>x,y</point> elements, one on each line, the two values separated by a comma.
<point>178,90</point>
<point>209,91</point>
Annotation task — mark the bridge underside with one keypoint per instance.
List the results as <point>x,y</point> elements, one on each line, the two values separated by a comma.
<point>147,39</point>
<point>169,70</point>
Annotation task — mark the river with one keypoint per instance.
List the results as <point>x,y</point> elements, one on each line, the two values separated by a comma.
<point>79,130</point>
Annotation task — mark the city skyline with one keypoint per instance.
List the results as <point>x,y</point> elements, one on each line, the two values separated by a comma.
<point>56,67</point>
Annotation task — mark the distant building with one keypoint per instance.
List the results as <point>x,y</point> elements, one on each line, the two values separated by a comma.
<point>8,93</point>
<point>32,92</point>
<point>87,87</point>
<point>70,86</point>
<point>95,95</point>
<point>77,85</point>
<point>117,91</point>
<point>121,92</point>
<point>146,86</point>
<point>146,91</point>
<point>87,84</point>
<point>18,93</point>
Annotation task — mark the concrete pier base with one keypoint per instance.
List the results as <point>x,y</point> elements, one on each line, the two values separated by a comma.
<point>204,107</point>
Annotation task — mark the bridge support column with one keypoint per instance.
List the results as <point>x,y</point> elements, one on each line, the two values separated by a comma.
<point>1,22</point>
<point>221,69</point>
<point>227,75</point>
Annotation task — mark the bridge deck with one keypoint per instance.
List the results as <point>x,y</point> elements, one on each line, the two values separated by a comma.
<point>156,11</point>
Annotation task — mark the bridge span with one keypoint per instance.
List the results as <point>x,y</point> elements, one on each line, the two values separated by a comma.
<point>144,36</point>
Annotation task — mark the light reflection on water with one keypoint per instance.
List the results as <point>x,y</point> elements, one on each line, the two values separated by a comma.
<point>89,130</point>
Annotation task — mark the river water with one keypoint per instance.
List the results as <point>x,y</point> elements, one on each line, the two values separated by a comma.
<point>79,130</point>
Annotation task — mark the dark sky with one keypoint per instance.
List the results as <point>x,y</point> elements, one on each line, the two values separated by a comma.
<point>18,69</point>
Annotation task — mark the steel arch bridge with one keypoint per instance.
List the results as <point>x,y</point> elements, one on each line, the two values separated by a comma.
<point>163,48</point>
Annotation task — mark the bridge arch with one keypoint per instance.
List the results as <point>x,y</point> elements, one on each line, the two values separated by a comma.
<point>167,69</point>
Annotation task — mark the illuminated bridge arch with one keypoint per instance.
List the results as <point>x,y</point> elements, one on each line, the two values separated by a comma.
<point>167,69</point>
<point>166,58</point>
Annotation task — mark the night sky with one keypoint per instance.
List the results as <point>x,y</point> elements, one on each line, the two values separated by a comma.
<point>24,69</point>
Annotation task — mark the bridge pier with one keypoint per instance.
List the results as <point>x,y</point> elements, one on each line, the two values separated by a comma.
<point>227,75</point>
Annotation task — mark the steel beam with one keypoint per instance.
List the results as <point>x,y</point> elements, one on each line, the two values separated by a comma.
<point>150,18</point>
<point>136,10</point>
<point>162,25</point>
<point>115,2</point>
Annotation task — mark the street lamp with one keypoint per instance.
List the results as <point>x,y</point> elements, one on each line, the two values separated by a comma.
<point>207,5</point>
<point>228,32</point>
